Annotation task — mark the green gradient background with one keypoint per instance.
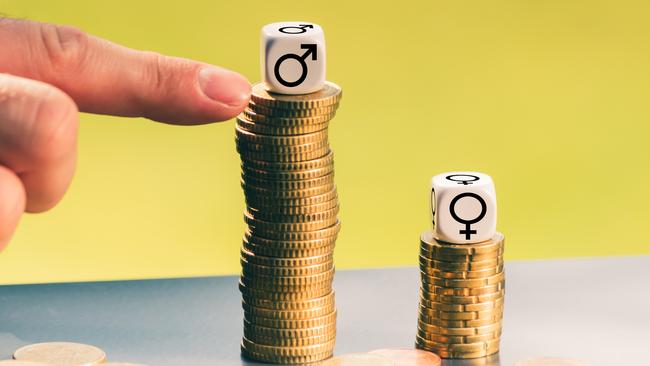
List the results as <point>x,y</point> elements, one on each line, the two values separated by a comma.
<point>550,97</point>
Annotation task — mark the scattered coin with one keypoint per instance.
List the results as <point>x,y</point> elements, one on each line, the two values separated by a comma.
<point>61,354</point>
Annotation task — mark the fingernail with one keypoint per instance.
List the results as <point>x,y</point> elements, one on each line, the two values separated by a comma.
<point>224,86</point>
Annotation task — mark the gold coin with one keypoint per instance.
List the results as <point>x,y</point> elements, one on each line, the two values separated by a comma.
<point>496,317</point>
<point>460,258</point>
<point>409,357</point>
<point>309,280</point>
<point>283,130</point>
<point>284,157</point>
<point>292,342</point>
<point>256,200</point>
<point>290,244</point>
<point>289,184</point>
<point>288,315</point>
<point>433,272</point>
<point>286,293</point>
<point>438,290</point>
<point>285,122</point>
<point>299,236</point>
<point>291,323</point>
<point>462,307</point>
<point>295,210</point>
<point>267,332</point>
<point>287,253</point>
<point>328,95</point>
<point>458,347</point>
<point>464,283</point>
<point>21,363</point>
<point>319,302</point>
<point>254,193</point>
<point>359,359</point>
<point>451,299</point>
<point>285,262</point>
<point>319,162</point>
<point>460,266</point>
<point>287,175</point>
<point>255,269</point>
<point>549,361</point>
<point>447,339</point>
<point>247,148</point>
<point>261,139</point>
<point>494,313</point>
<point>328,219</point>
<point>288,351</point>
<point>301,218</point>
<point>292,113</point>
<point>475,350</point>
<point>288,360</point>
<point>428,241</point>
<point>470,331</point>
<point>61,354</point>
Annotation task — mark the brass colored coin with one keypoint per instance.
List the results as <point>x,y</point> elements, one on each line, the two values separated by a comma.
<point>292,113</point>
<point>284,157</point>
<point>288,351</point>
<point>451,299</point>
<point>246,148</point>
<point>288,315</point>
<point>287,253</point>
<point>291,323</point>
<point>287,175</point>
<point>282,130</point>
<point>286,122</point>
<point>432,272</point>
<point>549,361</point>
<point>470,331</point>
<point>292,342</point>
<point>447,340</point>
<point>260,225</point>
<point>470,350</point>
<point>295,210</point>
<point>460,266</point>
<point>299,236</point>
<point>428,241</point>
<point>261,139</point>
<point>304,218</point>
<point>254,193</point>
<point>289,184</point>
<point>320,162</point>
<point>309,280</point>
<point>437,290</point>
<point>324,301</point>
<point>359,359</point>
<point>494,313</point>
<point>285,294</point>
<point>328,95</point>
<point>255,269</point>
<point>464,283</point>
<point>496,317</point>
<point>459,347</point>
<point>287,360</point>
<point>460,258</point>
<point>462,307</point>
<point>290,244</point>
<point>285,262</point>
<point>258,201</point>
<point>61,354</point>
<point>260,331</point>
<point>409,357</point>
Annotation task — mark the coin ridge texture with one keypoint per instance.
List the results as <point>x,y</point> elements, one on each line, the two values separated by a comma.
<point>61,354</point>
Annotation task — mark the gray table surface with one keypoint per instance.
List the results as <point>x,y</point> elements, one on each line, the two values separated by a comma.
<point>594,310</point>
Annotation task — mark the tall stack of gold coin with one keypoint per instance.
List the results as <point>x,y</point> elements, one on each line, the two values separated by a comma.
<point>291,213</point>
<point>461,298</point>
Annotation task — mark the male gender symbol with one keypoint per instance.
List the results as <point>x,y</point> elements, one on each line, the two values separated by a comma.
<point>468,231</point>
<point>461,180</point>
<point>311,50</point>
<point>302,28</point>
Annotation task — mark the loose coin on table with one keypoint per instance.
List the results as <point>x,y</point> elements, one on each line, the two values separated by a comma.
<point>409,356</point>
<point>21,363</point>
<point>61,354</point>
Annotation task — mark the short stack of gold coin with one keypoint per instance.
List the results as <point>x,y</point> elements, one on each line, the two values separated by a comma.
<point>461,298</point>
<point>291,213</point>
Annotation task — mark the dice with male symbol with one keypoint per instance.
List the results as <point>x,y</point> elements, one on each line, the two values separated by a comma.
<point>463,207</point>
<point>293,57</point>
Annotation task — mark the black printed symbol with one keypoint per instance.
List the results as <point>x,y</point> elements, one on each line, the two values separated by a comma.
<point>468,231</point>
<point>311,50</point>
<point>302,28</point>
<point>462,178</point>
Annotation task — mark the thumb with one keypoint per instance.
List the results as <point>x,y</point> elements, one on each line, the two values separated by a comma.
<point>103,77</point>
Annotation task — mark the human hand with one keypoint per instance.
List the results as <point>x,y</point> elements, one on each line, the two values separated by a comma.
<point>48,73</point>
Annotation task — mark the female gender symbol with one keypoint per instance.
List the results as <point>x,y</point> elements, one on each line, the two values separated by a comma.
<point>452,209</point>
<point>461,176</point>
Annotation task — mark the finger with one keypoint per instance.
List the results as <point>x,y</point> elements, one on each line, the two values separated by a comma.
<point>103,77</point>
<point>12,204</point>
<point>38,138</point>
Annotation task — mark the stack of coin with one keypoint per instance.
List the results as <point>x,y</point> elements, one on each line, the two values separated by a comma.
<point>461,298</point>
<point>291,213</point>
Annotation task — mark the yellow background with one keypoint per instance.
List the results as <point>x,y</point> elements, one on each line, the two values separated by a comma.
<point>549,97</point>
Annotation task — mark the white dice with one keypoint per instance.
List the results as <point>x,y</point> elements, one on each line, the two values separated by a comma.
<point>293,57</point>
<point>464,207</point>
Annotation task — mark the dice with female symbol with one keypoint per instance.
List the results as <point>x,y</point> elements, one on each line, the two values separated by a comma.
<point>463,207</point>
<point>293,57</point>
